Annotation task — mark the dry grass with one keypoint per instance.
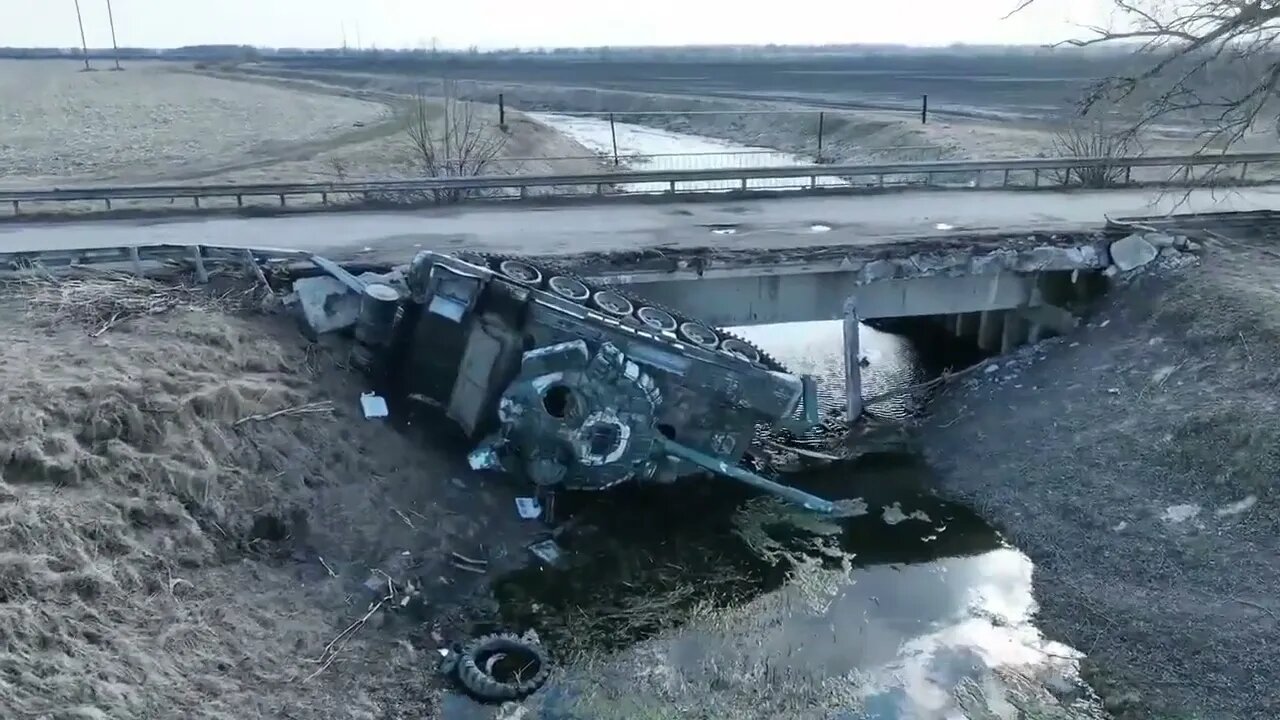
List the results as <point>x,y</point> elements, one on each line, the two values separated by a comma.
<point>157,559</point>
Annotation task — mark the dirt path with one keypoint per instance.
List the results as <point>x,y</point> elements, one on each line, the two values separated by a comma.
<point>1140,477</point>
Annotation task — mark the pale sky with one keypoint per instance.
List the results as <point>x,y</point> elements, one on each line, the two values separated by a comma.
<point>542,23</point>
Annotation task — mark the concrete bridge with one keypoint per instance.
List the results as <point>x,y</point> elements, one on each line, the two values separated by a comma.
<point>1002,266</point>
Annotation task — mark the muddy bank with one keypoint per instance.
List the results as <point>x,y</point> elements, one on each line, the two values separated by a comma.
<point>1135,462</point>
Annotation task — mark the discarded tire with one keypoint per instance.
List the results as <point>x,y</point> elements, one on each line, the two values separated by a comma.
<point>503,667</point>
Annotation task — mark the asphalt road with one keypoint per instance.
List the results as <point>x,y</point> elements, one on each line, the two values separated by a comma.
<point>774,223</point>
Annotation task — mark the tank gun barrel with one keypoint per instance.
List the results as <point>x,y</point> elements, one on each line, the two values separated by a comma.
<point>720,467</point>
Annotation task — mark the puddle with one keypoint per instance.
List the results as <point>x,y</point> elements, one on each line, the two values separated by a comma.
<point>724,230</point>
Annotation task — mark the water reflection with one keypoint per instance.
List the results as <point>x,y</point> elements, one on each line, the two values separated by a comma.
<point>645,148</point>
<point>816,348</point>
<point>904,607</point>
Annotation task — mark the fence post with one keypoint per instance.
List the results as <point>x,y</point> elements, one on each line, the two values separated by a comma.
<point>821,122</point>
<point>1244,170</point>
<point>613,135</point>
<point>924,110</point>
<point>502,111</point>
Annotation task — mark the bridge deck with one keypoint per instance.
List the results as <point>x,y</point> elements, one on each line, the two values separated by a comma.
<point>757,225</point>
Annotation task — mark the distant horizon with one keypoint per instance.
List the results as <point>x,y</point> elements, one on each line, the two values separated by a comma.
<point>496,24</point>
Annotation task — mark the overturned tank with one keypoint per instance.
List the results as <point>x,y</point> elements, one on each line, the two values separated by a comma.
<point>577,385</point>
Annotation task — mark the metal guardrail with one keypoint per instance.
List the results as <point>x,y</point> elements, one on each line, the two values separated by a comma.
<point>670,178</point>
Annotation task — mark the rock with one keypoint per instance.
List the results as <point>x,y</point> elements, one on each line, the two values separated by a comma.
<point>1180,242</point>
<point>1191,246</point>
<point>879,270</point>
<point>1052,258</point>
<point>1132,252</point>
<point>1111,271</point>
<point>1160,240</point>
<point>1168,252</point>
<point>991,368</point>
<point>325,305</point>
<point>993,262</point>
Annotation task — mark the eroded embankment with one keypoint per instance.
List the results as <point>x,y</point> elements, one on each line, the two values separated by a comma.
<point>190,500</point>
<point>1135,462</point>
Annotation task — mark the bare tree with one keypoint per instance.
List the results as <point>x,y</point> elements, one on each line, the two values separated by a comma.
<point>1093,140</point>
<point>447,139</point>
<point>1213,61</point>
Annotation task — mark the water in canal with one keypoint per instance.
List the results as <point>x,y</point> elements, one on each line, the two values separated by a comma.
<point>703,599</point>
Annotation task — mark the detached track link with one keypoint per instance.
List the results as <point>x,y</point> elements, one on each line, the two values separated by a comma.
<point>548,270</point>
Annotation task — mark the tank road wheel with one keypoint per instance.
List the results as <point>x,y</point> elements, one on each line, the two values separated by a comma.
<point>613,303</point>
<point>656,319</point>
<point>523,273</point>
<point>568,288</point>
<point>740,349</point>
<point>699,335</point>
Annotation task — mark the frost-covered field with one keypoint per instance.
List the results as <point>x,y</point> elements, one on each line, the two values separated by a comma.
<point>151,122</point>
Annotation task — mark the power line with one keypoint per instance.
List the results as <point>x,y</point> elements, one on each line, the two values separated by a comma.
<point>84,44</point>
<point>112,19</point>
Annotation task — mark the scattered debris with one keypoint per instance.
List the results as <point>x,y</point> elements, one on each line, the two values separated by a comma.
<point>548,552</point>
<point>1236,508</point>
<point>503,667</point>
<point>1180,513</point>
<point>374,406</point>
<point>323,407</point>
<point>528,508</point>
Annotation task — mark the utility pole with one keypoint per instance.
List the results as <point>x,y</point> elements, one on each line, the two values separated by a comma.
<point>359,47</point>
<point>112,20</point>
<point>344,37</point>
<point>84,45</point>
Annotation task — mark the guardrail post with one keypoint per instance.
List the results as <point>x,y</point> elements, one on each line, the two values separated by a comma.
<point>16,210</point>
<point>744,184</point>
<point>136,258</point>
<point>524,192</point>
<point>821,122</point>
<point>502,111</point>
<point>281,199</point>
<point>673,187</point>
<point>813,181</point>
<point>108,202</point>
<point>1066,177</point>
<point>613,134</point>
<point>1006,178</point>
<point>1128,174</point>
<point>924,110</point>
<point>324,198</point>
<point>928,178</point>
<point>196,198</point>
<point>1244,170</point>
<point>881,179</point>
<point>239,201</point>
<point>1036,181</point>
<point>852,363</point>
<point>599,188</point>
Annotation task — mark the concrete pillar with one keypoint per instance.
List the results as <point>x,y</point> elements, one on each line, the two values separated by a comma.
<point>852,369</point>
<point>1037,333</point>
<point>1014,332</point>
<point>990,326</point>
<point>967,324</point>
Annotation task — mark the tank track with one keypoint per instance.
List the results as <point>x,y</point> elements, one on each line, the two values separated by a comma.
<point>493,260</point>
